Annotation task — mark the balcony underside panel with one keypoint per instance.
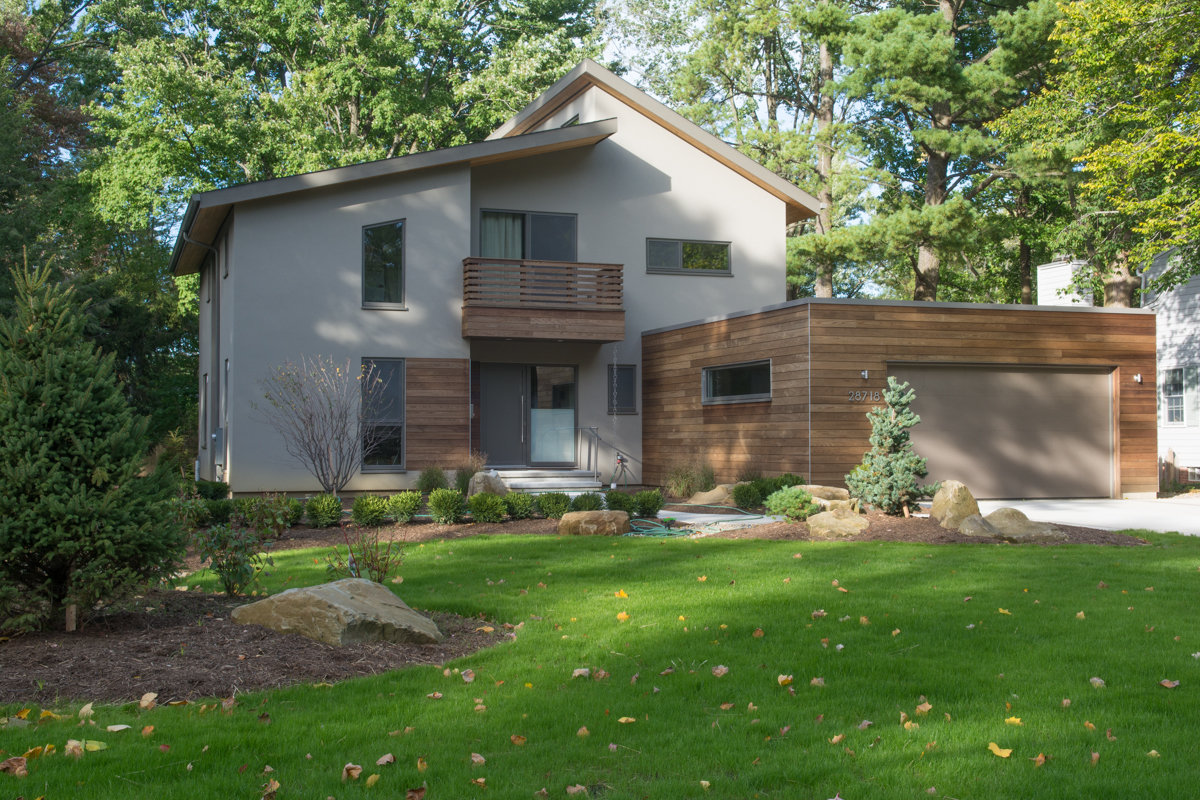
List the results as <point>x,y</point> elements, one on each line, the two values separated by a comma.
<point>543,324</point>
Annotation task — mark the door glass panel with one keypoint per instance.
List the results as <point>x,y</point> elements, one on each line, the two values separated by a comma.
<point>552,415</point>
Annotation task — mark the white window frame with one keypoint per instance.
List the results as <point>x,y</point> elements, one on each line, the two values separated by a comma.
<point>706,379</point>
<point>1181,396</point>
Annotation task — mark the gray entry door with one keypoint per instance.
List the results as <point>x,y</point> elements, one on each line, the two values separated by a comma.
<point>503,414</point>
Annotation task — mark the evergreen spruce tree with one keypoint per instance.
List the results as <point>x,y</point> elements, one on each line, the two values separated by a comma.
<point>78,525</point>
<point>888,477</point>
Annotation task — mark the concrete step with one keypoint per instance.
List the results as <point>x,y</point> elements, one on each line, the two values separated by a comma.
<point>537,481</point>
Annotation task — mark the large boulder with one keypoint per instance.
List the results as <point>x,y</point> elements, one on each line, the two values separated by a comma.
<point>828,493</point>
<point>348,611</point>
<point>1013,526</point>
<point>952,504</point>
<point>720,495</point>
<point>975,525</point>
<point>486,482</point>
<point>836,524</point>
<point>593,523</point>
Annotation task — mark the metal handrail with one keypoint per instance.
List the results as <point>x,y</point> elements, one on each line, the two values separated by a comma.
<point>594,438</point>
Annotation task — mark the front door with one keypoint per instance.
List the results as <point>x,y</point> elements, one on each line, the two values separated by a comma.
<point>527,415</point>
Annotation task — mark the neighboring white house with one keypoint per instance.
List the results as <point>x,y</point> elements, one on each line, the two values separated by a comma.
<point>501,286</point>
<point>1054,283</point>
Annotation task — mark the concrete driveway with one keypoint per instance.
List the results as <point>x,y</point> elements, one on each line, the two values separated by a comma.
<point>1180,513</point>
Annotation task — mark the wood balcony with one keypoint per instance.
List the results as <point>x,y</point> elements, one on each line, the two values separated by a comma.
<point>560,301</point>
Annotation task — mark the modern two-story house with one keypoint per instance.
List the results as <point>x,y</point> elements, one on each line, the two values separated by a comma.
<point>501,287</point>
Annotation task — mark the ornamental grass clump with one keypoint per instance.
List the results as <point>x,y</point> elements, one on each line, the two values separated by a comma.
<point>889,476</point>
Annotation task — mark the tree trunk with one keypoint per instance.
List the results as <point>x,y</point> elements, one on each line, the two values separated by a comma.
<point>1025,265</point>
<point>1121,284</point>
<point>928,262</point>
<point>823,286</point>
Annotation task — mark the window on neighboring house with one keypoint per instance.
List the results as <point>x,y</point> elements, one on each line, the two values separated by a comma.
<point>383,265</point>
<point>528,235</point>
<point>687,257</point>
<point>1172,397</point>
<point>622,389</point>
<point>383,413</point>
<point>737,383</point>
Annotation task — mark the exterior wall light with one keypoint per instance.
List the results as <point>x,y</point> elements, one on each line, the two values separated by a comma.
<point>865,374</point>
<point>1137,378</point>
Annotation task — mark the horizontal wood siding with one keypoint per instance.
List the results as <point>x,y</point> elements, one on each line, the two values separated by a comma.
<point>562,325</point>
<point>437,398</point>
<point>846,338</point>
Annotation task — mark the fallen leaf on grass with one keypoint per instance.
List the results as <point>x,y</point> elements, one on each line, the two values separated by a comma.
<point>147,701</point>
<point>577,789</point>
<point>820,612</point>
<point>1013,721</point>
<point>422,765</point>
<point>1004,611</point>
<point>866,723</point>
<point>720,671</point>
<point>923,708</point>
<point>627,720</point>
<point>911,726</point>
<point>581,672</point>
<point>517,739</point>
<point>74,748</point>
<point>621,594</point>
<point>86,712</point>
<point>1097,682</point>
<point>468,675</point>
<point>372,779</point>
<point>702,578</point>
<point>758,633</point>
<point>1038,760</point>
<point>583,731</point>
<point>997,750</point>
<point>784,680</point>
<point>15,766</point>
<point>1168,684</point>
<point>1089,725</point>
<point>1095,757</point>
<point>351,772</point>
<point>119,728</point>
<point>269,789</point>
<point>434,695</point>
<point>1153,754</point>
<point>164,748</point>
<point>817,682</point>
<point>622,616</point>
<point>148,731</point>
<point>415,794</point>
<point>704,785</point>
<point>1108,734</point>
<point>385,759</point>
<point>480,782</point>
<point>1066,702</point>
<point>837,739</point>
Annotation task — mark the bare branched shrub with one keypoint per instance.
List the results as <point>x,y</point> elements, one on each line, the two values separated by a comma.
<point>325,411</point>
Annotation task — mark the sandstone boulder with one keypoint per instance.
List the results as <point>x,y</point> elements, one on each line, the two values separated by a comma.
<point>720,495</point>
<point>826,492</point>
<point>348,611</point>
<point>836,524</point>
<point>975,525</point>
<point>593,523</point>
<point>486,482</point>
<point>952,504</point>
<point>1013,526</point>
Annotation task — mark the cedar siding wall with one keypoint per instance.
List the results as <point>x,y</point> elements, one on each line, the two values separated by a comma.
<point>846,337</point>
<point>436,412</point>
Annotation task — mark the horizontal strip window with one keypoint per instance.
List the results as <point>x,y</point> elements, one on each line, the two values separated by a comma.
<point>687,257</point>
<point>749,382</point>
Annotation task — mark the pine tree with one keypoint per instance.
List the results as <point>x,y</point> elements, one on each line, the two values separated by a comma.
<point>889,474</point>
<point>78,525</point>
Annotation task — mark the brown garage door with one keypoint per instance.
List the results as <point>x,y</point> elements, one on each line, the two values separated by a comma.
<point>1013,431</point>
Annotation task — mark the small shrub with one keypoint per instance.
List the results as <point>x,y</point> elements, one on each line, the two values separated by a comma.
<point>588,501</point>
<point>243,509</point>
<point>212,490</point>
<point>368,510</point>
<point>218,511</point>
<point>403,506</point>
<point>431,479</point>
<point>648,503</point>
<point>268,515</point>
<point>367,557</point>
<point>769,486</point>
<point>191,512</point>
<point>890,473</point>
<point>519,505</point>
<point>446,506</point>
<point>745,495</point>
<point>619,501</point>
<point>487,507</point>
<point>553,505</point>
<point>324,510</point>
<point>295,511</point>
<point>233,554</point>
<point>792,502</point>
<point>685,479</point>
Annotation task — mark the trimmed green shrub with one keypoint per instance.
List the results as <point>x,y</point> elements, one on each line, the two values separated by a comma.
<point>769,486</point>
<point>324,510</point>
<point>446,506</point>
<point>368,510</point>
<point>553,505</point>
<point>212,490</point>
<point>619,501</point>
<point>233,554</point>
<point>648,503</point>
<point>685,479</point>
<point>792,502</point>
<point>519,505</point>
<point>295,511</point>
<point>431,478</point>
<point>78,524</point>
<point>487,507</point>
<point>889,475</point>
<point>745,495</point>
<point>218,511</point>
<point>403,506</point>
<point>588,501</point>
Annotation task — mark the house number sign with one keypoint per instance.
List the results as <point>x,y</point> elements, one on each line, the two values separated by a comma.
<point>864,396</point>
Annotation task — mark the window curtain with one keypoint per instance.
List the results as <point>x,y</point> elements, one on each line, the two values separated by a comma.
<point>501,235</point>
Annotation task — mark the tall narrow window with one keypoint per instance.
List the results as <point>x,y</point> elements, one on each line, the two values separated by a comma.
<point>383,414</point>
<point>622,389</point>
<point>383,264</point>
<point>519,234</point>
<point>1172,396</point>
<point>737,383</point>
<point>688,257</point>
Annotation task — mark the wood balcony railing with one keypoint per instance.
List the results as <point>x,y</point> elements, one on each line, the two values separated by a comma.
<point>560,300</point>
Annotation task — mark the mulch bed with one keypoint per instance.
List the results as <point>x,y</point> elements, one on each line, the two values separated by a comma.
<point>183,645</point>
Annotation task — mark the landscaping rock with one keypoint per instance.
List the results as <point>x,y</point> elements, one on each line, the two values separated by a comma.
<point>826,492</point>
<point>975,525</point>
<point>836,524</point>
<point>952,504</point>
<point>348,611</point>
<point>721,495</point>
<point>1013,526</point>
<point>593,523</point>
<point>486,482</point>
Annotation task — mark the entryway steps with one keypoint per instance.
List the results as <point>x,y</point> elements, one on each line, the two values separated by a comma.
<point>537,481</point>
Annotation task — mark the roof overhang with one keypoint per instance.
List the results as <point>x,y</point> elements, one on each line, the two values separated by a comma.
<point>800,204</point>
<point>207,211</point>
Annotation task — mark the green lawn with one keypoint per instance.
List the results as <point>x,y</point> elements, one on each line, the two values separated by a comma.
<point>984,634</point>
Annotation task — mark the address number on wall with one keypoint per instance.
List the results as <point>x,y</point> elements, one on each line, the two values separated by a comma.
<point>864,397</point>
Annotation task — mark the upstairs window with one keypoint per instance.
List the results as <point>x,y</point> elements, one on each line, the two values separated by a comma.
<point>683,256</point>
<point>527,235</point>
<point>737,383</point>
<point>383,265</point>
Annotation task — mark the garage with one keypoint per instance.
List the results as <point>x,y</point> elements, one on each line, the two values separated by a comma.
<point>1010,431</point>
